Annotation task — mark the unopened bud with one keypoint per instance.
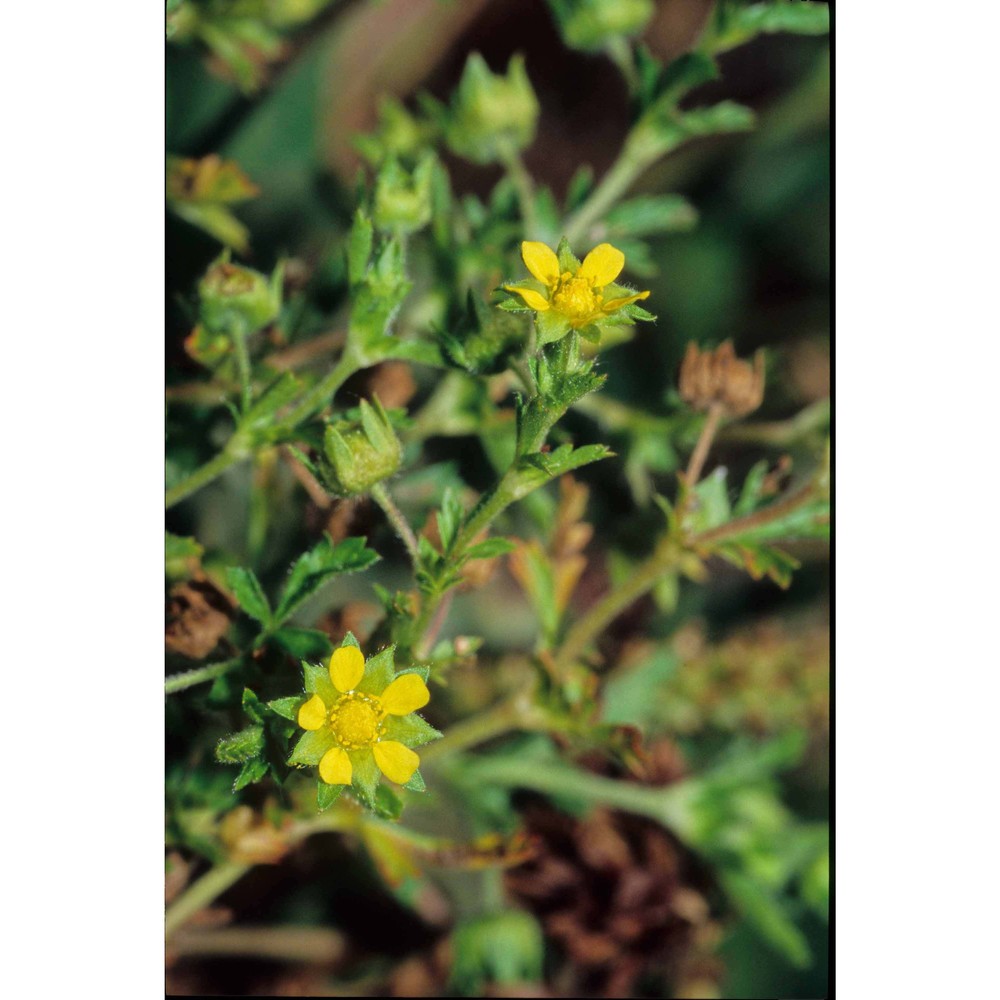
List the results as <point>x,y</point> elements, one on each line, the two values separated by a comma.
<point>492,116</point>
<point>236,299</point>
<point>402,199</point>
<point>590,24</point>
<point>359,453</point>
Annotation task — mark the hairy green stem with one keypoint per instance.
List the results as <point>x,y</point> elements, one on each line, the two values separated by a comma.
<point>619,178</point>
<point>179,682</point>
<point>234,451</point>
<point>243,367</point>
<point>201,894</point>
<point>402,527</point>
<point>504,717</point>
<point>525,188</point>
<point>322,392</point>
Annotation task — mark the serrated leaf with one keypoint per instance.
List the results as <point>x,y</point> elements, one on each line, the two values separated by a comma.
<point>650,214</point>
<point>239,747</point>
<point>490,548</point>
<point>253,706</point>
<point>303,643</point>
<point>251,772</point>
<point>248,591</point>
<point>320,564</point>
<point>387,804</point>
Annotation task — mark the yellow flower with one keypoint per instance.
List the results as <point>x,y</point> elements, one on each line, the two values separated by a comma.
<point>359,721</point>
<point>580,295</point>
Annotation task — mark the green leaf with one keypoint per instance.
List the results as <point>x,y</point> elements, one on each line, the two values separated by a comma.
<point>760,561</point>
<point>490,548</point>
<point>311,747</point>
<point>245,585</point>
<point>251,772</point>
<point>253,706</point>
<point>651,214</point>
<point>241,746</point>
<point>359,248</point>
<point>326,794</point>
<point>379,672</point>
<point>303,643</point>
<point>449,519</point>
<point>181,555</point>
<point>287,708</point>
<point>768,916</point>
<point>315,567</point>
<point>410,730</point>
<point>317,681</point>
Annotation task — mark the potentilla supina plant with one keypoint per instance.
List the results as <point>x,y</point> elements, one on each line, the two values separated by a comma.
<point>566,294</point>
<point>361,722</point>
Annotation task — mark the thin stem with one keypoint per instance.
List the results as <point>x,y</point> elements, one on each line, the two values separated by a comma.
<point>504,717</point>
<point>182,681</point>
<point>381,496</point>
<point>609,607</point>
<point>700,453</point>
<point>621,54</point>
<point>613,185</point>
<point>322,392</point>
<point>426,643</point>
<point>211,885</point>
<point>243,367</point>
<point>525,188</point>
<point>206,473</point>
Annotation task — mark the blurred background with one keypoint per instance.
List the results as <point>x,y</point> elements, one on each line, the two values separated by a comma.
<point>749,660</point>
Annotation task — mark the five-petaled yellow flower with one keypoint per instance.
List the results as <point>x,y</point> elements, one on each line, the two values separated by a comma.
<point>359,720</point>
<point>583,295</point>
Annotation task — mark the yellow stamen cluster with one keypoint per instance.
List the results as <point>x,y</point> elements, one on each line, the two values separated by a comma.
<point>357,720</point>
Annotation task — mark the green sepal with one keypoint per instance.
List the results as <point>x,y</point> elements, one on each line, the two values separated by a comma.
<point>287,708</point>
<point>550,326</point>
<point>350,639</point>
<point>416,783</point>
<point>411,730</point>
<point>365,775</point>
<point>317,681</point>
<point>326,794</point>
<point>567,259</point>
<point>251,772</point>
<point>310,749</point>
<point>379,672</point>
<point>248,591</point>
<point>591,333</point>
<point>422,672</point>
<point>239,747</point>
<point>387,804</point>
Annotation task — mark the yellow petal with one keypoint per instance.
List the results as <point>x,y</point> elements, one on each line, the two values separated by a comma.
<point>347,667</point>
<point>404,695</point>
<point>534,299</point>
<point>614,304</point>
<point>540,261</point>
<point>335,767</point>
<point>312,714</point>
<point>396,762</point>
<point>602,265</point>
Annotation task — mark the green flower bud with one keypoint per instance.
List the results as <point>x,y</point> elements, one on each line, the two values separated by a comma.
<point>358,453</point>
<point>238,300</point>
<point>399,135</point>
<point>590,24</point>
<point>480,340</point>
<point>403,200</point>
<point>492,116</point>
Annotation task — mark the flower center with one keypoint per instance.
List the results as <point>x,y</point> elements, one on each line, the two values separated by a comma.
<point>575,298</point>
<point>356,720</point>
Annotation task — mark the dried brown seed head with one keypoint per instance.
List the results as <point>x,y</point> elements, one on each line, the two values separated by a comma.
<point>719,378</point>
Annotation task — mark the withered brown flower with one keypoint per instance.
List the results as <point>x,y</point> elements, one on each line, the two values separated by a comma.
<point>720,379</point>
